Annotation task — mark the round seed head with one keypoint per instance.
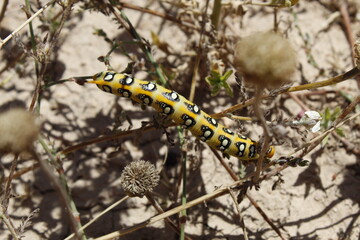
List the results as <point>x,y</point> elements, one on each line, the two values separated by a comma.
<point>18,131</point>
<point>138,178</point>
<point>265,59</point>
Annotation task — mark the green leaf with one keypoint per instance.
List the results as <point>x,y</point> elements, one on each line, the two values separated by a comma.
<point>217,81</point>
<point>340,132</point>
<point>325,141</point>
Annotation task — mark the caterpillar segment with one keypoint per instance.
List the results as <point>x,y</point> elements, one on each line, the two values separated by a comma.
<point>181,111</point>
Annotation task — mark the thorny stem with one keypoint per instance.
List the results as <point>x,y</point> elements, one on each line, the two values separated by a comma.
<point>259,114</point>
<point>331,81</point>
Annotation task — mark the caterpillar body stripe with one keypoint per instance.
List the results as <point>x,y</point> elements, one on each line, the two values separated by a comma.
<point>181,111</point>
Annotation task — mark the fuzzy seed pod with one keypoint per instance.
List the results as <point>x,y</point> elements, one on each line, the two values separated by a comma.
<point>18,131</point>
<point>265,59</point>
<point>138,178</point>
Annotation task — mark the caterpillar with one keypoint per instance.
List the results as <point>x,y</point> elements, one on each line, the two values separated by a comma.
<point>181,111</point>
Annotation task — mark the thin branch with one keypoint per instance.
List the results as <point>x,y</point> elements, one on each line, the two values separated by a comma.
<point>11,35</point>
<point>331,81</point>
<point>8,223</point>
<point>3,10</point>
<point>112,206</point>
<point>162,15</point>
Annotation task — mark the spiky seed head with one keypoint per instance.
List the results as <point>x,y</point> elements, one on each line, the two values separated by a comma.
<point>265,59</point>
<point>138,178</point>
<point>18,131</point>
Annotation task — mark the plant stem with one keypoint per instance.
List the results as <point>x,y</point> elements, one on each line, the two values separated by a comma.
<point>216,13</point>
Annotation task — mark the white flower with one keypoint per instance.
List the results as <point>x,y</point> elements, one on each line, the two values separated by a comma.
<point>310,119</point>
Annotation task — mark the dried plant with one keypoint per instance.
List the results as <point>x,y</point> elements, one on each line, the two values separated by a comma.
<point>139,178</point>
<point>281,80</point>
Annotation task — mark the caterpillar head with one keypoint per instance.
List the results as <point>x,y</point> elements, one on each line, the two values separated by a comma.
<point>103,80</point>
<point>270,152</point>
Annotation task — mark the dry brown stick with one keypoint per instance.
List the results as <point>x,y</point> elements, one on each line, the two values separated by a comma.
<point>317,92</point>
<point>263,214</point>
<point>236,178</point>
<point>10,178</point>
<point>347,111</point>
<point>3,10</point>
<point>112,206</point>
<point>105,138</point>
<point>266,143</point>
<point>155,13</point>
<point>298,101</point>
<point>7,221</point>
<point>158,208</point>
<point>331,81</point>
<point>11,35</point>
<point>241,219</point>
<point>23,171</point>
<point>348,145</point>
<point>343,8</point>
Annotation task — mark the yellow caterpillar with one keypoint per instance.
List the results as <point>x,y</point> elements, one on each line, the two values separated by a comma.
<point>181,111</point>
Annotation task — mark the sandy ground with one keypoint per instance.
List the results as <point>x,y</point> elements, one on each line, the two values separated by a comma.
<point>320,201</point>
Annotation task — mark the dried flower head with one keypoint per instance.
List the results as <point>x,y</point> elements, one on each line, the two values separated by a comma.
<point>18,131</point>
<point>139,178</point>
<point>265,59</point>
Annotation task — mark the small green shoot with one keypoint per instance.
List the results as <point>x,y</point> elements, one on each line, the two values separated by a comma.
<point>217,81</point>
<point>328,117</point>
